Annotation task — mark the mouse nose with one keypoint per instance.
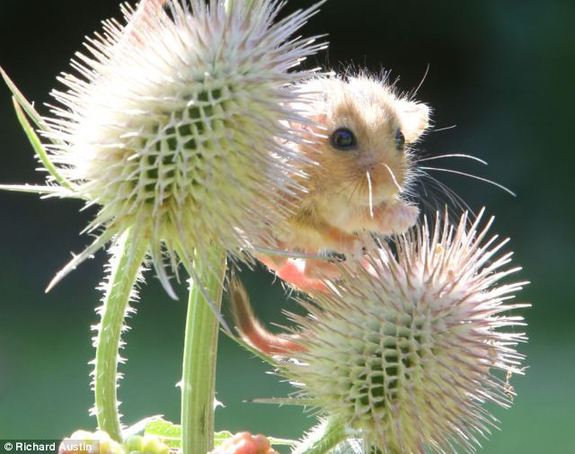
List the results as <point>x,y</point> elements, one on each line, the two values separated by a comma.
<point>369,161</point>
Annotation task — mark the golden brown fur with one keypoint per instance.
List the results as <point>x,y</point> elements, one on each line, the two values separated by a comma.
<point>348,193</point>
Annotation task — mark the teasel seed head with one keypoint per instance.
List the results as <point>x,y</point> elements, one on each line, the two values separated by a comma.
<point>408,350</point>
<point>177,124</point>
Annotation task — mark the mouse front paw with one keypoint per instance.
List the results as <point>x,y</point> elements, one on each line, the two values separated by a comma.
<point>397,218</point>
<point>404,217</point>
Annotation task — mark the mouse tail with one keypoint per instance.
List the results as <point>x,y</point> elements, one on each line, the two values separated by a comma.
<point>251,330</point>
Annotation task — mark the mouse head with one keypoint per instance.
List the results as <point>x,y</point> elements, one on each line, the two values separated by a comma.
<point>363,139</point>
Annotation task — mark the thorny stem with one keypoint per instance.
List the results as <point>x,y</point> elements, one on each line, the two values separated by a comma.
<point>200,349</point>
<point>125,264</point>
<point>323,438</point>
<point>200,354</point>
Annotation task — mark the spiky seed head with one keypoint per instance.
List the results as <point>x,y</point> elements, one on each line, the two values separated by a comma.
<point>176,123</point>
<point>408,350</point>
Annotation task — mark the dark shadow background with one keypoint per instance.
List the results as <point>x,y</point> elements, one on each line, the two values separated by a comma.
<point>502,71</point>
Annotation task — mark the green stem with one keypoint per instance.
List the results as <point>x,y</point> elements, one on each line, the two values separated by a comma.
<point>322,438</point>
<point>125,264</point>
<point>200,354</point>
<point>201,347</point>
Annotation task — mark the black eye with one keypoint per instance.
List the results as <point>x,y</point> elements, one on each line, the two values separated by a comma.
<point>399,140</point>
<point>343,139</point>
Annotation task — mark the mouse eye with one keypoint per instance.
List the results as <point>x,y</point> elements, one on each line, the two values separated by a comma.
<point>343,139</point>
<point>399,140</point>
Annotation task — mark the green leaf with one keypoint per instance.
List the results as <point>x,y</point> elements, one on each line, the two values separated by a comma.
<point>36,189</point>
<point>23,107</point>
<point>169,433</point>
<point>221,437</point>
<point>38,147</point>
<point>140,426</point>
<point>26,105</point>
<point>282,441</point>
<point>295,401</point>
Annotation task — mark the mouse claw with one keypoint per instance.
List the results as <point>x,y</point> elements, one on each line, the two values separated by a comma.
<point>335,257</point>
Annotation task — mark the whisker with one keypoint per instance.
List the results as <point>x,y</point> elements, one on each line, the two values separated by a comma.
<point>485,180</point>
<point>454,155</point>
<point>452,196</point>
<point>393,177</point>
<point>436,191</point>
<point>370,194</point>
<point>422,79</point>
<point>346,186</point>
<point>446,128</point>
<point>357,185</point>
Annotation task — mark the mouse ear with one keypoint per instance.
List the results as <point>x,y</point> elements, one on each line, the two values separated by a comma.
<point>414,119</point>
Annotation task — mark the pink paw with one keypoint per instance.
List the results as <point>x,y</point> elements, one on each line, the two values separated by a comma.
<point>399,218</point>
<point>296,273</point>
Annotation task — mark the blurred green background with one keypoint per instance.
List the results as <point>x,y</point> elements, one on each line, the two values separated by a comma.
<point>502,71</point>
